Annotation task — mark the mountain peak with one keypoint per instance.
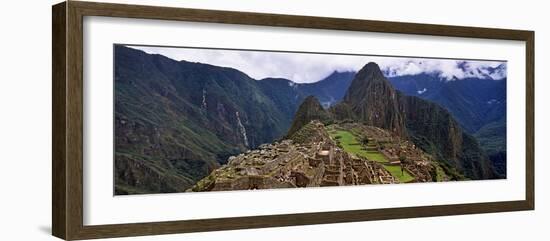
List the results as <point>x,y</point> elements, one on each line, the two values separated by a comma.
<point>309,110</point>
<point>311,100</point>
<point>368,79</point>
<point>374,100</point>
<point>368,75</point>
<point>371,65</point>
<point>371,69</point>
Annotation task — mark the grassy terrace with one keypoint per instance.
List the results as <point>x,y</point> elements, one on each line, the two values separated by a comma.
<point>351,145</point>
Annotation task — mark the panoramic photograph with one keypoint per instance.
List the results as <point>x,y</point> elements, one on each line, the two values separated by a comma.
<point>191,119</point>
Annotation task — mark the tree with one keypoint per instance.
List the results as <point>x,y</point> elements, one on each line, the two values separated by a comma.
<point>402,158</point>
<point>365,141</point>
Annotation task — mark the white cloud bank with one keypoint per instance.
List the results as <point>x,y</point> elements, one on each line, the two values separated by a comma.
<point>447,69</point>
<point>308,67</point>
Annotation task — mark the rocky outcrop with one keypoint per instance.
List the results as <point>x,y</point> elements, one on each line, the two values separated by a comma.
<point>435,130</point>
<point>343,112</point>
<point>309,110</point>
<point>374,101</point>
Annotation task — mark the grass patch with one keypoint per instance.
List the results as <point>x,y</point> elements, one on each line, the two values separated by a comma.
<point>396,172</point>
<point>350,144</point>
<point>375,156</point>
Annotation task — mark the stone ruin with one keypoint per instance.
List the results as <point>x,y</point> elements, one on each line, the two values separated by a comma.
<point>317,163</point>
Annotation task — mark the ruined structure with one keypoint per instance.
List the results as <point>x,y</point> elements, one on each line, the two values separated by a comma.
<point>315,161</point>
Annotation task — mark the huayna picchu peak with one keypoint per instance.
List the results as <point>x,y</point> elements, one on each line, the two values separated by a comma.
<point>374,100</point>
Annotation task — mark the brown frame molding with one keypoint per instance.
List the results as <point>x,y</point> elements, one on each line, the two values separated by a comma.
<point>67,123</point>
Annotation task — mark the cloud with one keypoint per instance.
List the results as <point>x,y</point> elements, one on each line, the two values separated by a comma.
<point>310,67</point>
<point>448,69</point>
<point>421,91</point>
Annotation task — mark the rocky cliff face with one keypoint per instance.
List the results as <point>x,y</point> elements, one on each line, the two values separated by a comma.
<point>374,101</point>
<point>435,130</point>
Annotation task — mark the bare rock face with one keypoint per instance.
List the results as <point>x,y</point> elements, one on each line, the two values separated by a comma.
<point>435,130</point>
<point>374,100</point>
<point>342,111</point>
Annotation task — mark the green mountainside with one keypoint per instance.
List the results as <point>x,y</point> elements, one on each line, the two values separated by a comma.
<point>175,122</point>
<point>492,137</point>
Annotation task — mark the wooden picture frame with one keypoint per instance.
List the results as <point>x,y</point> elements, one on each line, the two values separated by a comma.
<point>67,150</point>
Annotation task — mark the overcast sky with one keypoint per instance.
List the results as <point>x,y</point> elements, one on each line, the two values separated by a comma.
<point>306,67</point>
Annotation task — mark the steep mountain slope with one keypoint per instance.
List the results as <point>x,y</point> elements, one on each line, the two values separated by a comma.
<point>177,121</point>
<point>473,102</point>
<point>309,110</point>
<point>492,137</point>
<point>435,130</point>
<point>285,94</point>
<point>374,101</point>
<point>479,105</point>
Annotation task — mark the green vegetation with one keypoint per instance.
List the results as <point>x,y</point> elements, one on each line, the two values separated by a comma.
<point>438,173</point>
<point>309,110</point>
<point>395,171</point>
<point>375,156</point>
<point>492,137</point>
<point>349,143</point>
<point>304,134</point>
<point>175,121</point>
